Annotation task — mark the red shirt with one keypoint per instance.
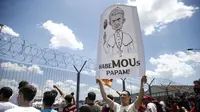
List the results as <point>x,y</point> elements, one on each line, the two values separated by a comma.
<point>175,108</point>
<point>70,109</point>
<point>142,108</point>
<point>193,109</point>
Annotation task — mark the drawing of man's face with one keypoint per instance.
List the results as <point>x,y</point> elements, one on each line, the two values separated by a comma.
<point>116,19</point>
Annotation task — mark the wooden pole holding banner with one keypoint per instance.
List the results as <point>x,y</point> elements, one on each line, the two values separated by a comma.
<point>78,85</point>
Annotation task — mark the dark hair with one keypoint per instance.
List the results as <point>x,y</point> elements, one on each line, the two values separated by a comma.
<point>6,91</point>
<point>129,94</point>
<point>110,96</point>
<point>22,83</point>
<point>49,97</point>
<point>68,98</point>
<point>91,96</point>
<point>28,92</point>
<point>85,108</point>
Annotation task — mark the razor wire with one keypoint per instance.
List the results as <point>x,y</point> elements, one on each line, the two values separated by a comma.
<point>19,49</point>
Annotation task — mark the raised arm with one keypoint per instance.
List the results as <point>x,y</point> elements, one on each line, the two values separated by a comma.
<point>73,99</point>
<point>61,93</point>
<point>103,93</point>
<point>138,101</point>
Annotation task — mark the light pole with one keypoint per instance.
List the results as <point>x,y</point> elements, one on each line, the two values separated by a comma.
<point>123,84</point>
<point>149,85</point>
<point>166,88</point>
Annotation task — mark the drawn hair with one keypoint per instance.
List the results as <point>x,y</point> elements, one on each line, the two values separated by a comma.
<point>116,11</point>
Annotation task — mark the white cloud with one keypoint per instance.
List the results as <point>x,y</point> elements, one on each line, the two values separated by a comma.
<point>151,73</point>
<point>21,68</point>
<point>35,69</point>
<point>130,86</point>
<point>119,81</point>
<point>13,66</point>
<point>9,31</point>
<point>9,83</point>
<point>178,64</point>
<point>71,82</point>
<point>62,36</point>
<point>94,89</point>
<point>156,14</point>
<point>89,72</point>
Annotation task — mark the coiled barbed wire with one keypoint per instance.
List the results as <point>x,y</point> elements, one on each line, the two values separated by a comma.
<point>21,50</point>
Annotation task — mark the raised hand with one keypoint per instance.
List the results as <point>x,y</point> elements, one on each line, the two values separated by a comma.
<point>98,80</point>
<point>144,79</point>
<point>54,86</point>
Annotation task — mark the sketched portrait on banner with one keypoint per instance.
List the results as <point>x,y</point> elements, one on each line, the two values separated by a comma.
<point>120,42</point>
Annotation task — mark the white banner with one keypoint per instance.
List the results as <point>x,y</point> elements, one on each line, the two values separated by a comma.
<point>120,49</point>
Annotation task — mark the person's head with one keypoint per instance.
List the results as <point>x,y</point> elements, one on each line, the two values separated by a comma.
<point>91,96</point>
<point>85,100</point>
<point>26,94</point>
<point>197,87</point>
<point>147,99</point>
<point>125,97</point>
<point>116,18</point>
<point>22,84</point>
<point>85,108</point>
<point>49,98</point>
<point>5,93</point>
<point>68,99</point>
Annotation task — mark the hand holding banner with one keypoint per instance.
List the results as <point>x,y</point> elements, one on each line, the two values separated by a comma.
<point>107,82</point>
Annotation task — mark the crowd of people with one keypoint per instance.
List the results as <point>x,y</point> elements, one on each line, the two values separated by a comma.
<point>22,102</point>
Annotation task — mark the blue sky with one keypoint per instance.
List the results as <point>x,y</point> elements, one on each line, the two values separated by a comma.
<point>181,22</point>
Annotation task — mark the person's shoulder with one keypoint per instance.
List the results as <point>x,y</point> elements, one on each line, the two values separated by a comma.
<point>115,103</point>
<point>48,110</point>
<point>97,106</point>
<point>54,110</point>
<point>13,110</point>
<point>11,104</point>
<point>32,109</point>
<point>84,105</point>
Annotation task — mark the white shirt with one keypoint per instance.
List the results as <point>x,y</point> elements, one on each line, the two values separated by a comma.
<point>23,109</point>
<point>151,106</point>
<point>120,108</point>
<point>61,102</point>
<point>6,105</point>
<point>163,105</point>
<point>13,99</point>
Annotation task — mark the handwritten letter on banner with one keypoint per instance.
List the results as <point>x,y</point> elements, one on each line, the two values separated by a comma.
<point>120,49</point>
